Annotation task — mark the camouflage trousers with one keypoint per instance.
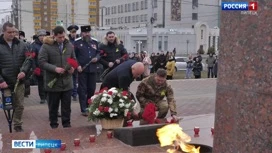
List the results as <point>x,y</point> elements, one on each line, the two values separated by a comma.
<point>18,105</point>
<point>163,108</point>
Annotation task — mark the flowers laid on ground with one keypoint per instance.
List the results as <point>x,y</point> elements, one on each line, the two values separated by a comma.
<point>72,63</point>
<point>110,104</point>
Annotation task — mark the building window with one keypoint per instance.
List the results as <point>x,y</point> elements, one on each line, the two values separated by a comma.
<point>137,18</point>
<point>142,18</point>
<point>129,7</point>
<point>122,9</point>
<point>119,9</point>
<point>155,3</point>
<point>133,7</point>
<point>155,16</point>
<point>194,4</point>
<point>166,43</point>
<point>142,5</point>
<point>112,10</point>
<point>194,16</point>
<point>209,41</point>
<point>201,35</point>
<point>137,6</point>
<point>126,8</point>
<point>213,41</point>
<point>125,19</point>
<point>133,19</point>
<point>108,10</point>
<point>146,4</point>
<point>145,17</point>
<point>128,19</point>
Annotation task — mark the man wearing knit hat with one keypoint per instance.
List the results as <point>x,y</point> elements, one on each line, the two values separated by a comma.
<point>36,46</point>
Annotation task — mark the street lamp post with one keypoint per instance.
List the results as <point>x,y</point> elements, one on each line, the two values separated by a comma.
<point>102,15</point>
<point>187,41</point>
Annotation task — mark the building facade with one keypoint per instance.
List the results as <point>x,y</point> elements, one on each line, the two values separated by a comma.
<point>47,14</point>
<point>166,13</point>
<point>185,40</point>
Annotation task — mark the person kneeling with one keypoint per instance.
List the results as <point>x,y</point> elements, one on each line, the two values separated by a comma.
<point>153,89</point>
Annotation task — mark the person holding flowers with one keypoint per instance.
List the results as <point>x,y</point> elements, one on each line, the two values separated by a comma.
<point>57,58</point>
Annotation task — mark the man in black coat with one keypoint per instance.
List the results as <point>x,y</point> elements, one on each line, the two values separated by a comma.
<point>123,75</point>
<point>87,56</point>
<point>112,52</point>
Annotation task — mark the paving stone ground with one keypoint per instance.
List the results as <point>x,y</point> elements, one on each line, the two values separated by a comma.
<point>194,97</point>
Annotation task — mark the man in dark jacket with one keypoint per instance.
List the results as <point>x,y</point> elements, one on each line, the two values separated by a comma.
<point>12,53</point>
<point>72,37</point>
<point>38,72</point>
<point>53,59</point>
<point>112,51</point>
<point>87,56</point>
<point>123,75</point>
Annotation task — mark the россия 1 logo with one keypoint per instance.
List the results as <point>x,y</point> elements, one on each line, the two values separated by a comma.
<point>240,6</point>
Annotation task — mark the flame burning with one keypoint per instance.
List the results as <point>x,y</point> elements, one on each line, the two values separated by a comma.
<point>172,135</point>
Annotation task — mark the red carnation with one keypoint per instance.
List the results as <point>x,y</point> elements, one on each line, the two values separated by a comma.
<point>149,113</point>
<point>157,121</point>
<point>105,54</point>
<point>102,52</point>
<point>103,89</point>
<point>124,93</point>
<point>30,54</point>
<point>89,101</point>
<point>125,57</point>
<point>110,93</point>
<point>37,71</point>
<point>129,123</point>
<point>101,108</point>
<point>72,62</point>
<point>96,93</point>
<point>128,114</point>
<point>106,109</point>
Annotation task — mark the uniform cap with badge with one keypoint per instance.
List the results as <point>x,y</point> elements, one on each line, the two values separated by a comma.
<point>72,28</point>
<point>85,28</point>
<point>21,33</point>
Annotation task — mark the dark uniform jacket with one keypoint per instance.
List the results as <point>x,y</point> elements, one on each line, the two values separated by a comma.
<point>11,60</point>
<point>35,47</point>
<point>111,52</point>
<point>149,91</point>
<point>50,57</point>
<point>121,77</point>
<point>85,52</point>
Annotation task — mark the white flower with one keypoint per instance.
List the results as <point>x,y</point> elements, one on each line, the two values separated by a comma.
<point>110,110</point>
<point>125,112</point>
<point>96,112</point>
<point>113,114</point>
<point>93,97</point>
<point>119,95</point>
<point>121,105</point>
<point>110,101</point>
<point>105,91</point>
<point>105,95</point>
<point>113,88</point>
<point>128,105</point>
<point>121,100</point>
<point>114,92</point>
<point>104,99</point>
<point>132,101</point>
<point>116,110</point>
<point>125,97</point>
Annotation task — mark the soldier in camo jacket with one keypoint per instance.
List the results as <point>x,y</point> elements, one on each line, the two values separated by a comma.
<point>153,89</point>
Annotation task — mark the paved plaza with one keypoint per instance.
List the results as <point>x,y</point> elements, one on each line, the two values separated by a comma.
<point>195,102</point>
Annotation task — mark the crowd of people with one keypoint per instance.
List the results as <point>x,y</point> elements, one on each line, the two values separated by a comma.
<point>66,68</point>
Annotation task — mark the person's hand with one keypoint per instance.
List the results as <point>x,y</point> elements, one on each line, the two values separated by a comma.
<point>71,71</point>
<point>3,85</point>
<point>175,118</point>
<point>21,75</point>
<point>117,61</point>
<point>79,69</point>
<point>111,64</point>
<point>94,60</point>
<point>59,70</point>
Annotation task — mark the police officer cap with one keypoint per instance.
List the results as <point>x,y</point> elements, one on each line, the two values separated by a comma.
<point>21,33</point>
<point>72,28</point>
<point>85,28</point>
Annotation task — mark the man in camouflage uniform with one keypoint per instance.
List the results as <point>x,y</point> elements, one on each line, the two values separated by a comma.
<point>153,89</point>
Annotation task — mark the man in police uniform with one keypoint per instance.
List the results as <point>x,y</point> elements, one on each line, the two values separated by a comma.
<point>72,37</point>
<point>153,89</point>
<point>87,56</point>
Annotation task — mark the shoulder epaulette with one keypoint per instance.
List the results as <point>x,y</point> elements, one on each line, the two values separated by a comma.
<point>94,39</point>
<point>79,38</point>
